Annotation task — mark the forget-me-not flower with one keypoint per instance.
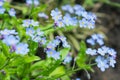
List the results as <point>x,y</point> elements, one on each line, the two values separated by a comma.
<point>12,12</point>
<point>22,48</point>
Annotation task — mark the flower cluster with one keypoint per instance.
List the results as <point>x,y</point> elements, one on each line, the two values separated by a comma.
<point>36,34</point>
<point>52,45</point>
<point>105,57</point>
<point>96,38</point>
<point>10,38</point>
<point>83,18</point>
<point>11,12</point>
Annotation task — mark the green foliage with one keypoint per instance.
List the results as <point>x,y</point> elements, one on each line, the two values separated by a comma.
<point>82,57</point>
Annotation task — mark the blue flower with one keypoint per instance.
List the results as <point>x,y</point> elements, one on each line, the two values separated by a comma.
<point>68,8</point>
<point>30,2</point>
<point>96,38</point>
<point>91,41</point>
<point>22,48</point>
<point>36,38</point>
<point>67,59</point>
<point>56,42</point>
<point>102,63</point>
<point>103,50</point>
<point>112,61</point>
<point>2,10</point>
<point>43,41</point>
<point>63,40</point>
<point>39,32</point>
<point>10,40</point>
<point>34,23</point>
<point>91,51</point>
<point>51,45</point>
<point>83,23</point>
<point>60,23</point>
<point>12,12</point>
<point>26,23</point>
<point>56,14</point>
<point>52,53</point>
<point>112,52</point>
<point>77,79</point>
<point>6,32</point>
<point>30,31</point>
<point>67,19</point>
<point>43,15</point>
<point>1,2</point>
<point>78,8</point>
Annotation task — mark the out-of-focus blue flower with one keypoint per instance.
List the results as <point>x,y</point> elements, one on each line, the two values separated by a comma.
<point>51,45</point>
<point>34,23</point>
<point>103,50</point>
<point>6,32</point>
<point>10,40</point>
<point>78,8</point>
<point>102,63</point>
<point>12,12</point>
<point>39,32</point>
<point>52,53</point>
<point>77,79</point>
<point>96,38</point>
<point>90,24</point>
<point>43,41</point>
<point>112,52</point>
<point>112,61</point>
<point>26,23</point>
<point>43,15</point>
<point>91,51</point>
<point>64,41</point>
<point>22,48</point>
<point>56,14</point>
<point>30,2</point>
<point>30,31</point>
<point>68,8</point>
<point>1,2</point>
<point>91,41</point>
<point>67,19</point>
<point>2,10</point>
<point>83,23</point>
<point>67,59</point>
<point>36,38</point>
<point>56,42</point>
<point>60,23</point>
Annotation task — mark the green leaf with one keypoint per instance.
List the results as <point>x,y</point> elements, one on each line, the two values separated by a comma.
<point>64,52</point>
<point>38,65</point>
<point>57,72</point>
<point>82,57</point>
<point>29,59</point>
<point>5,49</point>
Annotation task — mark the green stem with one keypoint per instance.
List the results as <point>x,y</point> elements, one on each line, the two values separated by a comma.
<point>6,63</point>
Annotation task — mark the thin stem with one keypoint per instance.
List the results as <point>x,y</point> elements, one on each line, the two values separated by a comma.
<point>6,63</point>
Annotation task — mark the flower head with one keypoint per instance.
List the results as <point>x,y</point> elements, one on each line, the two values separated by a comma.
<point>12,12</point>
<point>10,40</point>
<point>52,53</point>
<point>2,10</point>
<point>91,51</point>
<point>22,48</point>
